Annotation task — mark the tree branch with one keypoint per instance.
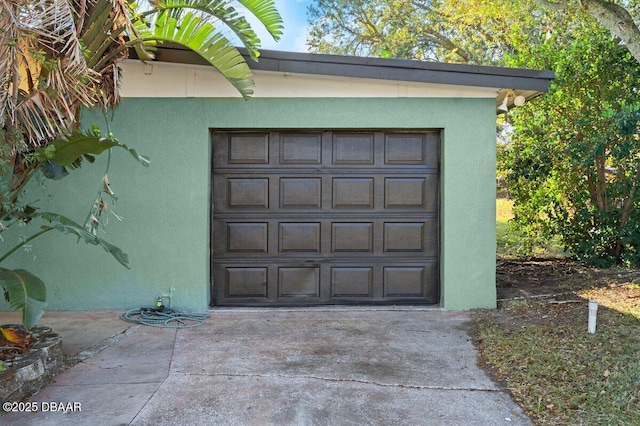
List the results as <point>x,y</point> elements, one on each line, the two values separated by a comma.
<point>618,20</point>
<point>612,16</point>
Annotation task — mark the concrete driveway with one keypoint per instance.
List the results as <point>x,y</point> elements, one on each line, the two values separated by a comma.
<point>325,366</point>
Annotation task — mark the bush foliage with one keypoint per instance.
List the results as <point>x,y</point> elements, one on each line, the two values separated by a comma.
<point>573,164</point>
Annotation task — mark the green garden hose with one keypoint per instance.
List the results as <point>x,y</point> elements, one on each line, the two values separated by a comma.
<point>164,318</point>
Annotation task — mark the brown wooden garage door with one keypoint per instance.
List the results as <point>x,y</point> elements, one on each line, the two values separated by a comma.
<point>326,217</point>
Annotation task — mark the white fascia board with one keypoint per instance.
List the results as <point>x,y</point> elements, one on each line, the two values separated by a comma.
<point>167,80</point>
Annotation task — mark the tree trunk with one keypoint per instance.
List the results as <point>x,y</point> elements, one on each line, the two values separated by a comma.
<point>616,19</point>
<point>612,16</point>
<point>593,191</point>
<point>601,184</point>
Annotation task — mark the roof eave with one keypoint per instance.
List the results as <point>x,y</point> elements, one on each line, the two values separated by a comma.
<point>528,83</point>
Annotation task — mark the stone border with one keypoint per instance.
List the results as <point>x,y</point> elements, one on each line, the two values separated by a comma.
<point>28,374</point>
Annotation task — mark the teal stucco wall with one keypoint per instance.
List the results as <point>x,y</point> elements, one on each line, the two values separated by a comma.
<point>166,207</point>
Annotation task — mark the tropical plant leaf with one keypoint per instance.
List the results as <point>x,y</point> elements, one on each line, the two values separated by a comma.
<point>19,338</point>
<point>10,335</point>
<point>200,36</point>
<point>267,14</point>
<point>25,292</point>
<point>52,85</point>
<point>142,159</point>
<point>222,11</point>
<point>68,151</point>
<point>102,30</point>
<point>68,226</point>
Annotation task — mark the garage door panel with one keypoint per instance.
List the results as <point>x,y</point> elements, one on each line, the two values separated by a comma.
<point>353,149</point>
<point>352,237</point>
<point>352,282</point>
<point>246,282</point>
<point>248,193</point>
<point>412,193</point>
<point>291,282</point>
<point>404,281</point>
<point>299,237</point>
<point>299,282</point>
<point>353,193</point>
<point>249,149</point>
<point>403,149</point>
<point>325,239</point>
<point>404,237</point>
<point>405,193</point>
<point>330,217</point>
<point>298,192</point>
<point>301,192</point>
<point>301,149</point>
<point>247,237</point>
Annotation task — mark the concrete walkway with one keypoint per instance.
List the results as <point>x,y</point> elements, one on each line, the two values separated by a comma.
<point>272,367</point>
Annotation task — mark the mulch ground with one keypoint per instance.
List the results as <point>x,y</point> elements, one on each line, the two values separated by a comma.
<point>562,288</point>
<point>556,278</point>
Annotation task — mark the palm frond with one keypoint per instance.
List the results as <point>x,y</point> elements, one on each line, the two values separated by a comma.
<point>201,36</point>
<point>267,14</point>
<point>59,55</point>
<point>106,24</point>
<point>42,68</point>
<point>39,118</point>
<point>222,11</point>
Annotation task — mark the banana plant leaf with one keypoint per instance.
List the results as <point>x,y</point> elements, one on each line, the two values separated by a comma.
<point>200,36</point>
<point>68,226</point>
<point>223,11</point>
<point>24,291</point>
<point>267,14</point>
<point>69,151</point>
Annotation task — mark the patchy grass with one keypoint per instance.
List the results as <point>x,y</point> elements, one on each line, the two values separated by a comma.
<point>560,374</point>
<point>625,298</point>
<point>539,346</point>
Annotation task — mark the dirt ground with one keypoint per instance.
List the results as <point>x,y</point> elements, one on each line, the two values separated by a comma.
<point>562,287</point>
<point>558,278</point>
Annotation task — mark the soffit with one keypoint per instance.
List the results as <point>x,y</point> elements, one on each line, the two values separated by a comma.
<point>499,81</point>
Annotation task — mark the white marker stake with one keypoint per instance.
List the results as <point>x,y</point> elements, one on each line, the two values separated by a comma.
<point>593,311</point>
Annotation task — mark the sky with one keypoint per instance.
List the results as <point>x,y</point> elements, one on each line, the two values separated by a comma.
<point>294,15</point>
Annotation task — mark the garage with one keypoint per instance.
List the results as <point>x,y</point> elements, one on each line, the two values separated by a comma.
<point>343,181</point>
<point>325,217</point>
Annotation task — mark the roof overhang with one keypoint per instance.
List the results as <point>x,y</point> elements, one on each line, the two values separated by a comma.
<point>506,81</point>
